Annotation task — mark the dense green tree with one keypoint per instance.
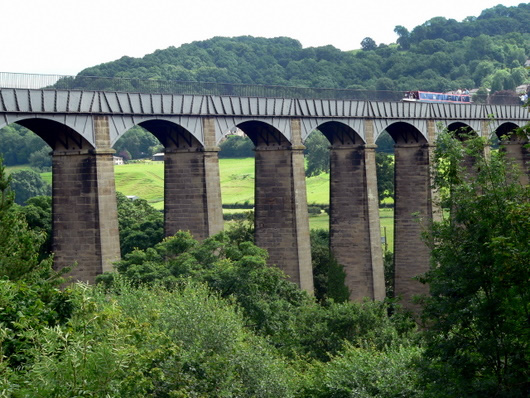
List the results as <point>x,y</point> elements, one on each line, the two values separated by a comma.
<point>368,44</point>
<point>19,246</point>
<point>141,226</point>
<point>385,175</point>
<point>367,373</point>
<point>27,184</point>
<point>232,269</point>
<point>328,275</point>
<point>41,159</point>
<point>38,214</point>
<point>478,334</point>
<point>237,147</point>
<point>317,154</point>
<point>18,143</point>
<point>139,143</point>
<point>404,37</point>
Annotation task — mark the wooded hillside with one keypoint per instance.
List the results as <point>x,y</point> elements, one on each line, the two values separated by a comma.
<point>441,54</point>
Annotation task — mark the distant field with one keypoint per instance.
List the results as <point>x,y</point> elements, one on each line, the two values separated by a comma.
<point>386,218</point>
<point>12,169</point>
<point>145,180</point>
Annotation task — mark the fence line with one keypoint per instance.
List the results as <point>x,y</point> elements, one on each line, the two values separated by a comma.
<point>155,86</point>
<point>36,81</point>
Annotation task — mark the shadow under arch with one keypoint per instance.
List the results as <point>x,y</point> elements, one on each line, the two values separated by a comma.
<point>172,136</point>
<point>264,135</point>
<point>515,147</point>
<point>405,134</point>
<point>462,131</point>
<point>58,136</point>
<point>339,133</point>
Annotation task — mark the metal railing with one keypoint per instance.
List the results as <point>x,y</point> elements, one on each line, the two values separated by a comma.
<point>131,85</point>
<point>34,81</point>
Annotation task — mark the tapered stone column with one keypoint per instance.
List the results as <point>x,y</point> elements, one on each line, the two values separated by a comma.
<point>351,236</point>
<point>413,209</point>
<point>192,193</point>
<point>518,154</point>
<point>85,220</point>
<point>281,218</point>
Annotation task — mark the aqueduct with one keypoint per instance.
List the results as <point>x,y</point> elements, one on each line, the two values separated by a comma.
<point>81,127</point>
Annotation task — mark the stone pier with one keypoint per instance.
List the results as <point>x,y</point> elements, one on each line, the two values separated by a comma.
<point>85,219</point>
<point>281,218</point>
<point>350,217</point>
<point>192,191</point>
<point>413,209</point>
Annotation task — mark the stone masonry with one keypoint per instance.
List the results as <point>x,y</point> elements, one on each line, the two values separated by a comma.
<point>281,218</point>
<point>85,221</point>
<point>413,210</point>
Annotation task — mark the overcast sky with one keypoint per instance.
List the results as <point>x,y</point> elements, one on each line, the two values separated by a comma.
<point>66,36</point>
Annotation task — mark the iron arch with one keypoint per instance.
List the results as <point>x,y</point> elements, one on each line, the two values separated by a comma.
<point>505,132</point>
<point>339,134</point>
<point>405,134</point>
<point>58,136</point>
<point>172,136</point>
<point>461,130</point>
<point>264,135</point>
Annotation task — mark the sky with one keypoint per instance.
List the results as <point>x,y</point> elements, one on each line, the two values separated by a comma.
<point>63,37</point>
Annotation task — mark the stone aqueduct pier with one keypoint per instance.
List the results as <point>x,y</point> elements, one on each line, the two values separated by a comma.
<point>82,126</point>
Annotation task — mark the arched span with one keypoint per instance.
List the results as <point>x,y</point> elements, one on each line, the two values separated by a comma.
<point>58,136</point>
<point>225,125</point>
<point>264,135</point>
<point>172,136</point>
<point>405,134</point>
<point>505,132</point>
<point>462,130</point>
<point>122,124</point>
<point>60,133</point>
<point>339,134</point>
<point>308,125</point>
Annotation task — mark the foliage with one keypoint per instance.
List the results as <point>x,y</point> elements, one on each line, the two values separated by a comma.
<point>388,264</point>
<point>242,230</point>
<point>38,215</point>
<point>478,332</point>
<point>317,154</point>
<point>232,269</point>
<point>142,342</point>
<point>19,246</point>
<point>366,373</point>
<point>41,160</point>
<point>328,275</point>
<point>439,55</point>
<point>140,225</point>
<point>27,184</point>
<point>321,332</point>
<point>385,175</point>
<point>137,143</point>
<point>18,144</point>
<point>26,308</point>
<point>368,44</point>
<point>236,146</point>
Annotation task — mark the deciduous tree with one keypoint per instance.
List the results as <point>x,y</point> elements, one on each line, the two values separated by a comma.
<point>477,316</point>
